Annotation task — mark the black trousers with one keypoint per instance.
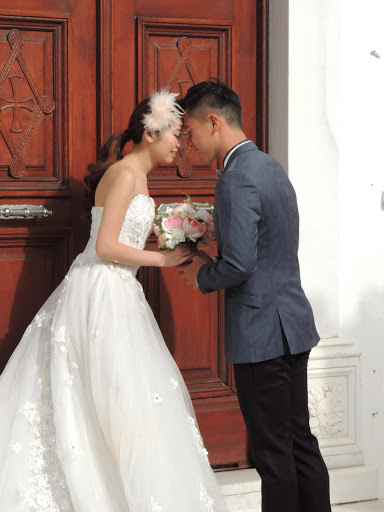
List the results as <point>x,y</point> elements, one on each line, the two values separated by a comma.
<point>273,398</point>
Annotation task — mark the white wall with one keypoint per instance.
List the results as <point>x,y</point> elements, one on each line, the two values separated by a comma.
<point>361,212</point>
<point>304,99</point>
<point>327,128</point>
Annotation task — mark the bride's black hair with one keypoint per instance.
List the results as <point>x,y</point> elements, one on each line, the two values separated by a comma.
<point>112,151</point>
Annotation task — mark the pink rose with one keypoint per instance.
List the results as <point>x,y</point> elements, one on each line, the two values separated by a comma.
<point>184,210</point>
<point>171,223</point>
<point>193,229</point>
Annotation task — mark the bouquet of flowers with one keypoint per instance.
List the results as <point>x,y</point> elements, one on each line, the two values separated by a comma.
<point>189,222</point>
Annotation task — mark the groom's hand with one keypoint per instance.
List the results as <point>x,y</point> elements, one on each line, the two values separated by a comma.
<point>189,271</point>
<point>204,256</point>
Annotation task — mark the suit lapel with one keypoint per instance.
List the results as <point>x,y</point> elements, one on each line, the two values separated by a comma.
<point>249,146</point>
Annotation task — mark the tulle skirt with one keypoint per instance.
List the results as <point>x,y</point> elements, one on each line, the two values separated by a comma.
<point>95,416</point>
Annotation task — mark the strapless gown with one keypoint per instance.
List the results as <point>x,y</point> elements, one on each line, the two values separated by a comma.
<point>94,413</point>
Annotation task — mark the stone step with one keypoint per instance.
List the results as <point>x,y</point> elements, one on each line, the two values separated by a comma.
<point>242,488</point>
<point>363,506</point>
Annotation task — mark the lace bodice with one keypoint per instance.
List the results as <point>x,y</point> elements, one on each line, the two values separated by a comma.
<point>134,232</point>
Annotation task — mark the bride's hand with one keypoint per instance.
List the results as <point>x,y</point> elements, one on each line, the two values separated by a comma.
<point>177,256</point>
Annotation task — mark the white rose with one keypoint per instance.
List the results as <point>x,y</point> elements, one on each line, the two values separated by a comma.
<point>203,215</point>
<point>178,236</point>
<point>170,244</point>
<point>184,210</point>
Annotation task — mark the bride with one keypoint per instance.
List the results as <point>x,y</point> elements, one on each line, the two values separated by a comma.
<point>95,415</point>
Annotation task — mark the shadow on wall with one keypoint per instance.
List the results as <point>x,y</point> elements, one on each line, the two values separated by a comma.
<point>365,327</point>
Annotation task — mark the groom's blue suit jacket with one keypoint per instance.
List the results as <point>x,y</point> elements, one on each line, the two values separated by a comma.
<point>257,228</point>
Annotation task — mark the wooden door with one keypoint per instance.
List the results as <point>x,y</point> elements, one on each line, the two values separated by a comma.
<point>71,72</point>
<point>47,137</point>
<point>145,46</point>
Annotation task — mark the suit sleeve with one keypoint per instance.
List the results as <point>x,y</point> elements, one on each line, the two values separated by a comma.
<point>238,209</point>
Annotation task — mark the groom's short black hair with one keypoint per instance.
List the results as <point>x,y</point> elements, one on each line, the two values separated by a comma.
<point>215,96</point>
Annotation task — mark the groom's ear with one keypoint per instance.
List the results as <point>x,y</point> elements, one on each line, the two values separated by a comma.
<point>214,121</point>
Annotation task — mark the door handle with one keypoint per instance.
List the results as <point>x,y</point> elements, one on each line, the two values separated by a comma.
<point>23,211</point>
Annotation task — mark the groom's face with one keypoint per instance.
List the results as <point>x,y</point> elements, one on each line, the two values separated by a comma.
<point>201,136</point>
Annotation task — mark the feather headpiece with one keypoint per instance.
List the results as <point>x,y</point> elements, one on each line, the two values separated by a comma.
<point>164,111</point>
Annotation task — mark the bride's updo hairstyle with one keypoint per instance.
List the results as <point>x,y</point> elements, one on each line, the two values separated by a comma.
<point>112,151</point>
<point>156,113</point>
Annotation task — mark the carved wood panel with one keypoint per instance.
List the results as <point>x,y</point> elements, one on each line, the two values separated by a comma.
<point>175,55</point>
<point>31,265</point>
<point>33,104</point>
<point>198,351</point>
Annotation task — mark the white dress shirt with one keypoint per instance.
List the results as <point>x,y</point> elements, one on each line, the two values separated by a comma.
<point>228,155</point>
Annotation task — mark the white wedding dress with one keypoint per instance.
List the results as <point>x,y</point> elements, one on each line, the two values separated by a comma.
<point>94,413</point>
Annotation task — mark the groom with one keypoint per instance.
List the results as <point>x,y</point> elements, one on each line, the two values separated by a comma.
<point>269,325</point>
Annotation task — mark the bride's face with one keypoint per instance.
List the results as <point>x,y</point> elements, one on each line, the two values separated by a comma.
<point>165,147</point>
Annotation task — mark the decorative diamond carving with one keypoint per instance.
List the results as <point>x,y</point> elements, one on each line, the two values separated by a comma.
<point>15,103</point>
<point>42,104</point>
<point>184,46</point>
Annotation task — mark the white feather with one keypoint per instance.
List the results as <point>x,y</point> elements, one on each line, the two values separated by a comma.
<point>164,111</point>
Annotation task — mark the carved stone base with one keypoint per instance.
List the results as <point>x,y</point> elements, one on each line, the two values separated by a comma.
<point>334,396</point>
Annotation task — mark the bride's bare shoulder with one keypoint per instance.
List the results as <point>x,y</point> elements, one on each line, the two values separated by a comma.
<point>120,171</point>
<point>116,179</point>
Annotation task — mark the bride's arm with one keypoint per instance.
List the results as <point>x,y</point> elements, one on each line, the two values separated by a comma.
<point>119,195</point>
